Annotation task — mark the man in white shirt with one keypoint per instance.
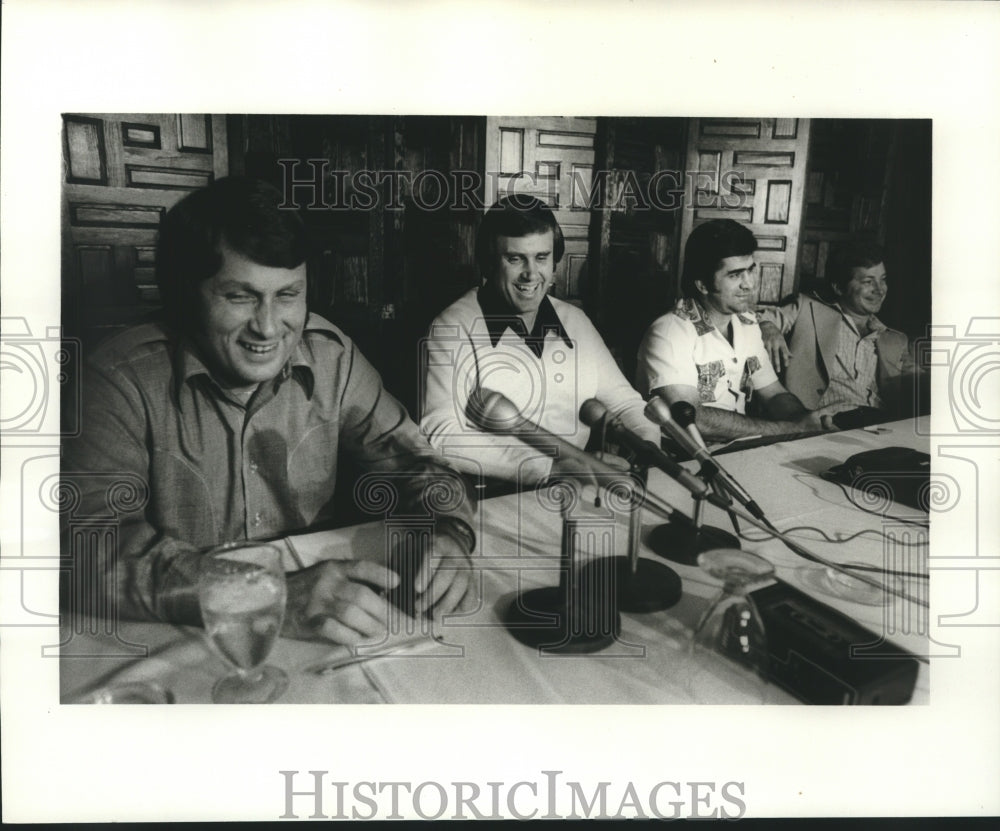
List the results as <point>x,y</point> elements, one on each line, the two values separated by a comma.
<point>708,350</point>
<point>511,336</point>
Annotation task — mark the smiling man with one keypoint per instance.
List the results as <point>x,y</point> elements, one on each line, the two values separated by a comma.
<point>511,336</point>
<point>840,350</point>
<point>708,350</point>
<point>231,414</point>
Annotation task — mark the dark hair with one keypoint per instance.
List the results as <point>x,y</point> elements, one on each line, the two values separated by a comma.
<point>707,245</point>
<point>518,215</point>
<point>850,255</point>
<point>239,211</point>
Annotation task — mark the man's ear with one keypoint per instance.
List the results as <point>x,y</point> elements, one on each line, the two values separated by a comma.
<point>700,286</point>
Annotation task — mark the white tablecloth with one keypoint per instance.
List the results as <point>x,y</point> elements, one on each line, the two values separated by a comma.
<point>478,661</point>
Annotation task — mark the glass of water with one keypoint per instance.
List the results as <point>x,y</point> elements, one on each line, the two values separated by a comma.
<point>241,591</point>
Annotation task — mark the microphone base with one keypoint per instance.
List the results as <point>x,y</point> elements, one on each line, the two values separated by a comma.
<point>652,588</point>
<point>682,543</point>
<point>548,620</point>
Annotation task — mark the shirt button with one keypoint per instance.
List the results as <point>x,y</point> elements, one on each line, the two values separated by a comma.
<point>257,519</point>
<point>253,467</point>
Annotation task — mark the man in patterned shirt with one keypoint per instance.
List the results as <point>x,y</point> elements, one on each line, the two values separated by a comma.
<point>708,350</point>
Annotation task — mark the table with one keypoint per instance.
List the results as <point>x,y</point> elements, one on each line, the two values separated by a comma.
<point>476,661</point>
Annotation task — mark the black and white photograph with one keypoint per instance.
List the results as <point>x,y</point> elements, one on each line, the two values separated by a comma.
<point>633,462</point>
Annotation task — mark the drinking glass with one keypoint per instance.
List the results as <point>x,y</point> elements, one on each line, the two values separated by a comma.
<point>241,590</point>
<point>729,641</point>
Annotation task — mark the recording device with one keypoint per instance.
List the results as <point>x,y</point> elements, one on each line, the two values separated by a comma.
<point>648,453</point>
<point>901,473</point>
<point>823,657</point>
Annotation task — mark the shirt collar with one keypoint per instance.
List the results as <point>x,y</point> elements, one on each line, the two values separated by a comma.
<point>875,326</point>
<point>499,319</point>
<point>189,365</point>
<point>691,308</point>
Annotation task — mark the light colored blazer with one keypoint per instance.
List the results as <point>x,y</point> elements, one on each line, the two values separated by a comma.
<point>810,328</point>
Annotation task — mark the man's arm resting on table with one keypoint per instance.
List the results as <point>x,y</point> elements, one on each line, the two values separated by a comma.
<point>787,415</point>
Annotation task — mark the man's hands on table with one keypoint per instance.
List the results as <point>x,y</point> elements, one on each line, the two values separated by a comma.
<point>344,601</point>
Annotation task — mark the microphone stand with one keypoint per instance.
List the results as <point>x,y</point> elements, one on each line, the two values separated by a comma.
<point>580,615</point>
<point>681,540</point>
<point>643,585</point>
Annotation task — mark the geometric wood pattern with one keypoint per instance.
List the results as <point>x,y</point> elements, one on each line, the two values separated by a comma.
<point>779,196</point>
<point>771,243</point>
<point>85,155</point>
<point>148,176</point>
<point>763,158</point>
<point>741,127</point>
<point>786,128</point>
<point>194,133</point>
<point>141,135</point>
<point>759,166</point>
<point>770,282</point>
<point>123,172</point>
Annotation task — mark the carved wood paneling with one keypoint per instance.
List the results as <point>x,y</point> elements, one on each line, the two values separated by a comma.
<point>123,171</point>
<point>761,183</point>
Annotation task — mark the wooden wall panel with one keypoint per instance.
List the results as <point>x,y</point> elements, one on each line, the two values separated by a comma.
<point>123,172</point>
<point>761,175</point>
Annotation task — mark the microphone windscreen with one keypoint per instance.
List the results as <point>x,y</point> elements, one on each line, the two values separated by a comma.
<point>683,413</point>
<point>657,411</point>
<point>493,411</point>
<point>592,411</point>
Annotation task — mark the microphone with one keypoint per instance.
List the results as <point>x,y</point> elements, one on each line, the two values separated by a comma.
<point>495,413</point>
<point>678,421</point>
<point>649,454</point>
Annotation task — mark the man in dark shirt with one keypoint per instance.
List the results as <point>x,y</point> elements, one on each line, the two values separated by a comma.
<point>228,420</point>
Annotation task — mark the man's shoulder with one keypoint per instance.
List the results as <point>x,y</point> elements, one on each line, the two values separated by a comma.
<point>463,307</point>
<point>320,329</point>
<point>686,315</point>
<point>461,316</point>
<point>894,336</point>
<point>569,314</point>
<point>137,344</point>
<point>323,343</point>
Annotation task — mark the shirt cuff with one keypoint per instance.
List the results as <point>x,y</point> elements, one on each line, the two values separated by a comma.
<point>459,530</point>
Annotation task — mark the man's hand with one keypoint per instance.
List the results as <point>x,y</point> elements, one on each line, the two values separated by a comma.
<point>339,600</point>
<point>774,343</point>
<point>822,418</point>
<point>446,582</point>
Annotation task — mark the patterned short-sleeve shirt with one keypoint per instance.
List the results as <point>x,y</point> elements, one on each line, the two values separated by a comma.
<point>683,348</point>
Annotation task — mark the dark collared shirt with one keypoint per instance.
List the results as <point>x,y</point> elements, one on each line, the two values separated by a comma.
<point>207,468</point>
<point>499,319</point>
